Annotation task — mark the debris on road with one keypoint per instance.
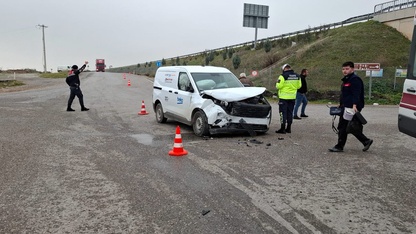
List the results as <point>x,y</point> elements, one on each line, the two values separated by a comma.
<point>205,212</point>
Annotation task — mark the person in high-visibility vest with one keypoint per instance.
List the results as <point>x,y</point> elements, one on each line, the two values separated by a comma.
<point>287,85</point>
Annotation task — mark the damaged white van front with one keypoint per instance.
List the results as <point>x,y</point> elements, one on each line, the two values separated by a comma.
<point>210,99</point>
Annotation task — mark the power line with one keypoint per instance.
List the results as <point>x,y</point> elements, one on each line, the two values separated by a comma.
<point>44,48</point>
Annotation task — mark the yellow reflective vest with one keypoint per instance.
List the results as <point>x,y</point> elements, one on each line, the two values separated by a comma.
<point>288,84</point>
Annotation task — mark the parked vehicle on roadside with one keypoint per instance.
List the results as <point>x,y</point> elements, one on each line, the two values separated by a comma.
<point>407,108</point>
<point>210,99</point>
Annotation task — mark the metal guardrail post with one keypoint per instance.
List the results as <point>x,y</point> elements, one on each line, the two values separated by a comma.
<point>393,6</point>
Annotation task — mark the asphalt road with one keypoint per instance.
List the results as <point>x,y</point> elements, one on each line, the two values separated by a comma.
<point>108,170</point>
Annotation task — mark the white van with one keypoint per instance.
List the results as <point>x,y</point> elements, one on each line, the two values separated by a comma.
<point>210,99</point>
<point>407,107</point>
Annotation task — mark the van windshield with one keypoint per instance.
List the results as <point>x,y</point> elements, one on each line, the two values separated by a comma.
<point>208,81</point>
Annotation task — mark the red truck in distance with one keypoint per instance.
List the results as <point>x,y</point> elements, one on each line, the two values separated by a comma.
<point>100,65</point>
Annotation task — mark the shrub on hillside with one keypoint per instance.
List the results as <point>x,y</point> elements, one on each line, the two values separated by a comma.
<point>267,46</point>
<point>224,54</point>
<point>270,60</point>
<point>236,61</point>
<point>230,53</point>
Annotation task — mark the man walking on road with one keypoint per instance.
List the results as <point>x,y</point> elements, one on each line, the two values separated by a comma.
<point>287,85</point>
<point>74,85</point>
<point>352,96</point>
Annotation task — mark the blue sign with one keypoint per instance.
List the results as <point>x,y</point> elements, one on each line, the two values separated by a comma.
<point>378,73</point>
<point>158,63</point>
<point>179,100</point>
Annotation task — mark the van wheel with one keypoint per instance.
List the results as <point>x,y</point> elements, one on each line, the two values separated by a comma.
<point>160,117</point>
<point>200,124</point>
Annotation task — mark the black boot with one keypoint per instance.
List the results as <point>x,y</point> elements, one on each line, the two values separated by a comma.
<point>282,129</point>
<point>288,128</point>
<point>69,109</point>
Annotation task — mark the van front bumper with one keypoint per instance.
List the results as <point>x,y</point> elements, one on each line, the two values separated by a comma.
<point>224,123</point>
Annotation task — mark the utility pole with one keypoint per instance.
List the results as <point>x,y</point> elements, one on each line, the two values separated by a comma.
<point>44,49</point>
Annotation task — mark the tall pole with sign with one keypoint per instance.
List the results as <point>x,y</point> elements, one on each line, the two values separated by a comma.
<point>255,16</point>
<point>368,67</point>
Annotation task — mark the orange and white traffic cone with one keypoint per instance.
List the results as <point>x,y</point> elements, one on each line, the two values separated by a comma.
<point>178,149</point>
<point>143,110</point>
<point>128,83</point>
<point>124,75</point>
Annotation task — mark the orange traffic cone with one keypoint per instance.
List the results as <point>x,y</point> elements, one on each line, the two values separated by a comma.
<point>143,110</point>
<point>124,75</point>
<point>128,83</point>
<point>177,145</point>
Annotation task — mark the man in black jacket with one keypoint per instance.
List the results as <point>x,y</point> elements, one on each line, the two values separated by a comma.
<point>352,96</point>
<point>301,96</point>
<point>74,85</point>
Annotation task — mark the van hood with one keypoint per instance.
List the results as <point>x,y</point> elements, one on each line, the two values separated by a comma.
<point>235,94</point>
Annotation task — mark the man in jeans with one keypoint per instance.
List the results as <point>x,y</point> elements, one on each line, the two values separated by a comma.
<point>301,96</point>
<point>352,96</point>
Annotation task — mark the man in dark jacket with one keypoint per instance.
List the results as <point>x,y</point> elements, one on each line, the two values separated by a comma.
<point>74,85</point>
<point>352,96</point>
<point>301,96</point>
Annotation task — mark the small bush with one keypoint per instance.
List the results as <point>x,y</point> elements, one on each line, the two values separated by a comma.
<point>230,53</point>
<point>236,61</point>
<point>267,46</point>
<point>270,60</point>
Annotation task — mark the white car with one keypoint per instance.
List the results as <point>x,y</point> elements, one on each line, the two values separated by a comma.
<point>211,99</point>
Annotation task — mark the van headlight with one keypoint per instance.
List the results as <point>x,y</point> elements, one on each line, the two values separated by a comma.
<point>224,103</point>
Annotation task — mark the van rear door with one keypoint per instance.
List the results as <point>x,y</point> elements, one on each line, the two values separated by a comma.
<point>407,109</point>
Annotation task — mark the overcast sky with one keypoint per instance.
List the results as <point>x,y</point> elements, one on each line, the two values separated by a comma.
<point>127,32</point>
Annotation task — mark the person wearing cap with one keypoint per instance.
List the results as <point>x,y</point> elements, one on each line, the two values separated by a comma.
<point>74,85</point>
<point>245,81</point>
<point>287,86</point>
<point>352,96</point>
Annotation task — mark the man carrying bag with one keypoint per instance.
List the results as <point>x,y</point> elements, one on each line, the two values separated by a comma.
<point>352,102</point>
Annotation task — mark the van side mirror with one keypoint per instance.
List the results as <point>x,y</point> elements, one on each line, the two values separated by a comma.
<point>190,88</point>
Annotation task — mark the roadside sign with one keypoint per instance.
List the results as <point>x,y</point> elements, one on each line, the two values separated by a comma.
<point>367,66</point>
<point>254,73</point>
<point>375,73</point>
<point>158,63</point>
<point>401,72</point>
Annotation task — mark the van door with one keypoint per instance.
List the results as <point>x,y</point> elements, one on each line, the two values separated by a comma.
<point>169,82</point>
<point>183,99</point>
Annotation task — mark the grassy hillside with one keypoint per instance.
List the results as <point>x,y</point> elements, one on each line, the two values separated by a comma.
<point>320,52</point>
